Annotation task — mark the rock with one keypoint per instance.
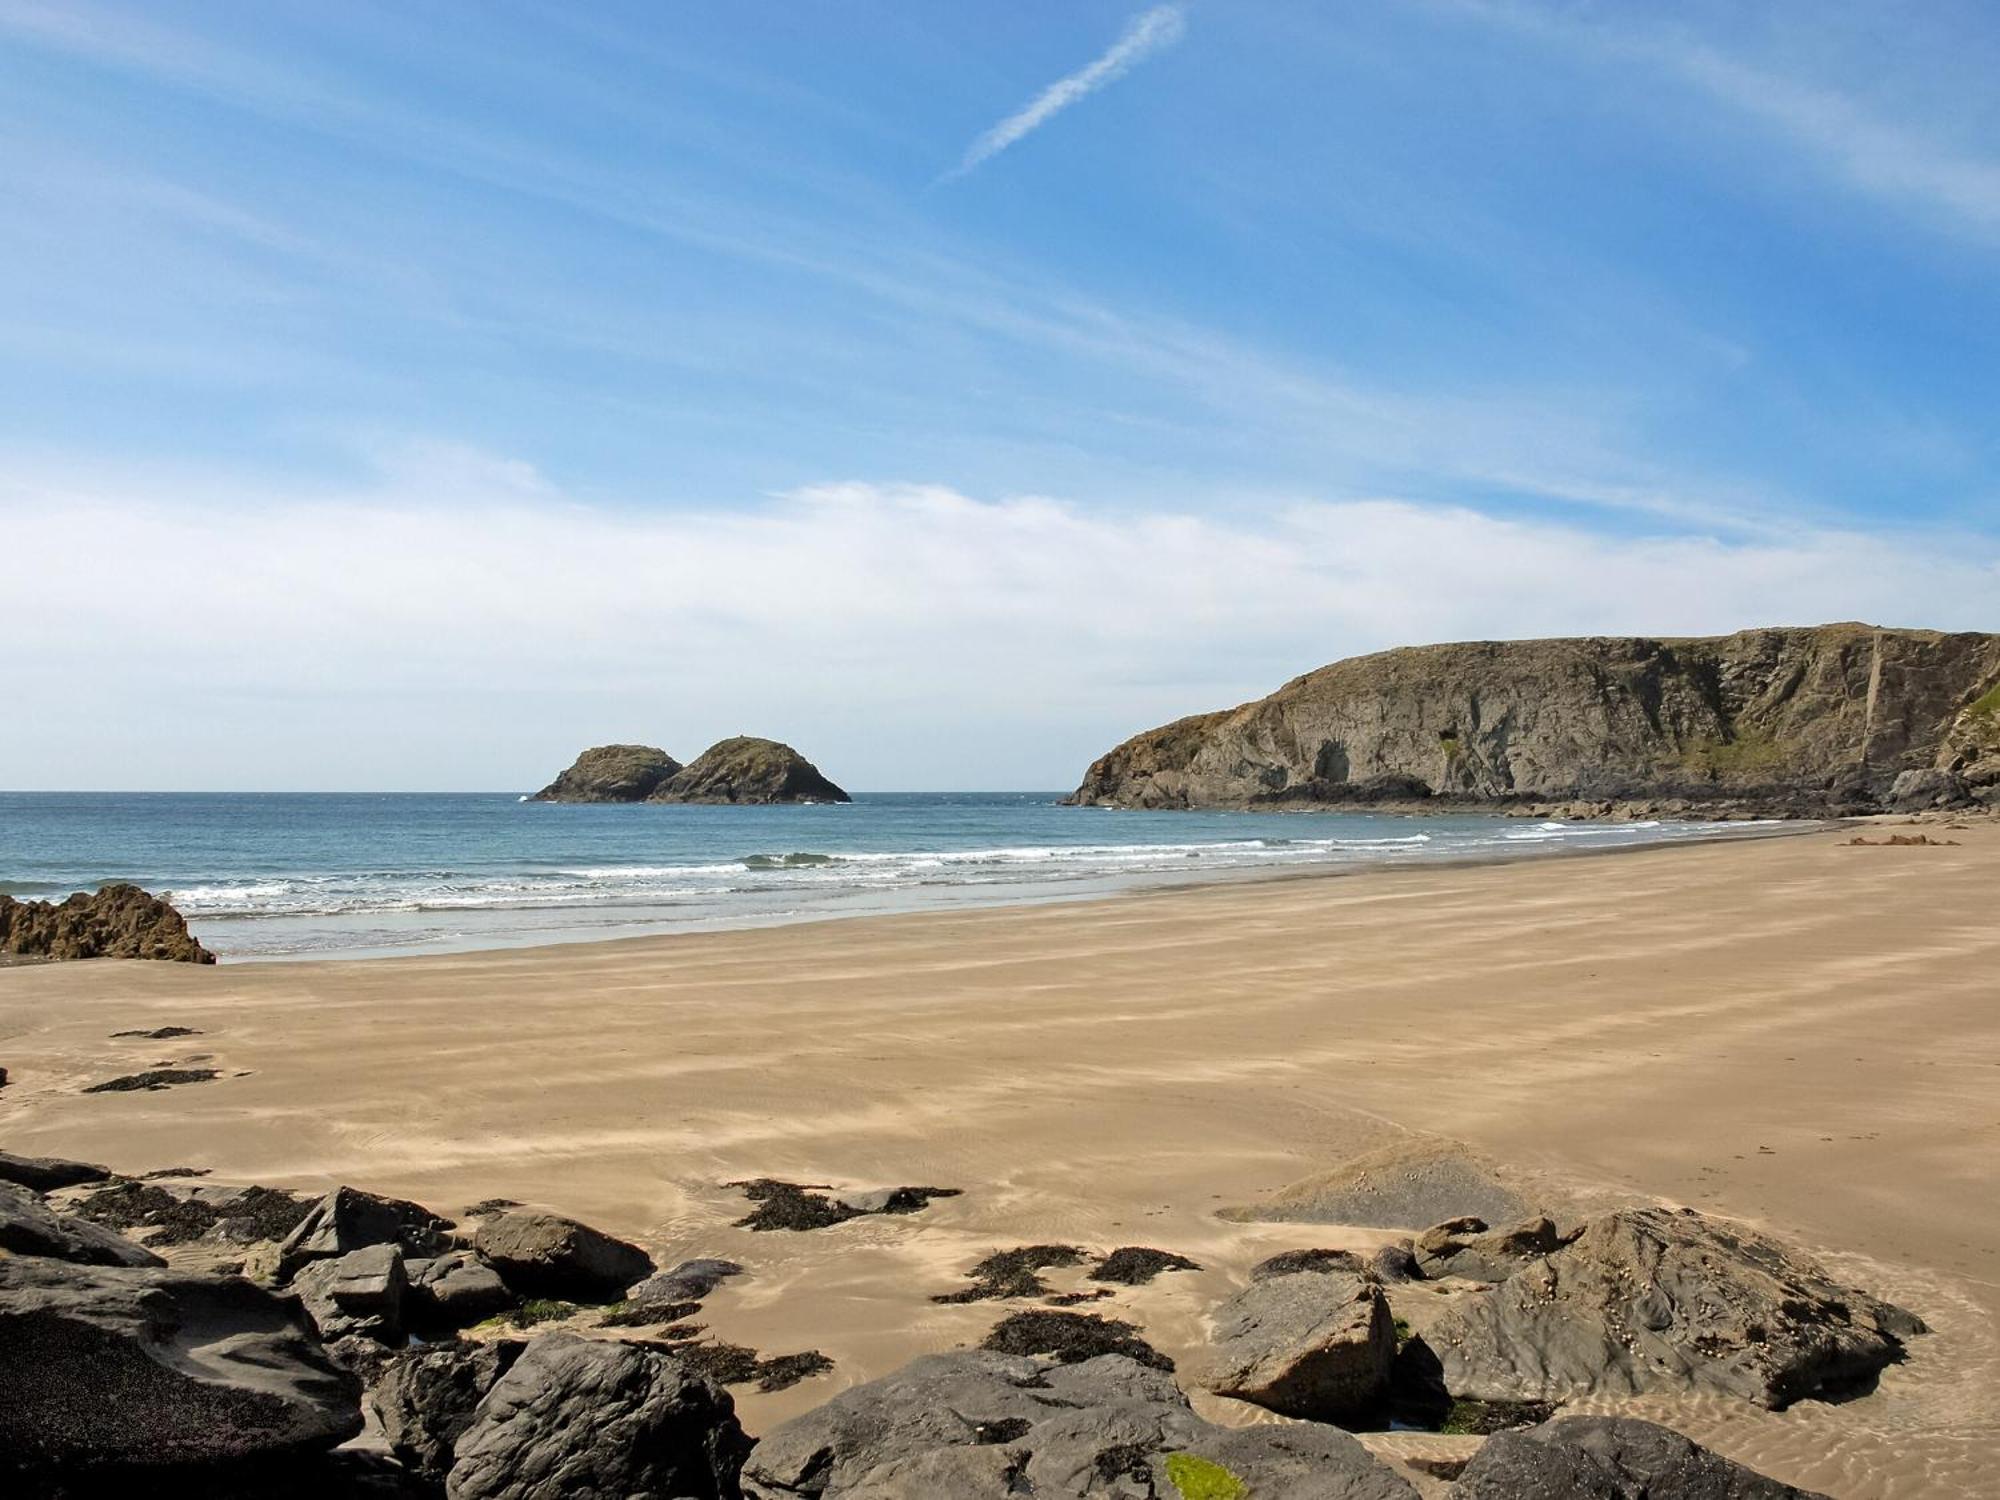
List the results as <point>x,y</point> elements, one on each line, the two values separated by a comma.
<point>103,1365</point>
<point>1394,1263</point>
<point>747,769</point>
<point>690,1281</point>
<point>1609,1458</point>
<point>545,1255</point>
<point>1401,1187</point>
<point>1467,1248</point>
<point>119,921</point>
<point>1816,721</point>
<point>1314,1344</point>
<point>347,1219</point>
<point>47,1173</point>
<point>1918,791</point>
<point>978,1426</point>
<point>455,1290</point>
<point>1654,1300</point>
<point>426,1398</point>
<point>28,1226</point>
<point>594,1418</point>
<point>612,773</point>
<point>358,1294</point>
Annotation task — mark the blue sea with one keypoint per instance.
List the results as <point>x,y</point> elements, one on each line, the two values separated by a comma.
<point>336,874</point>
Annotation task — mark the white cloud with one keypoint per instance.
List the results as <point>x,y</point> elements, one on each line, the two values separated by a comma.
<point>1147,33</point>
<point>462,624</point>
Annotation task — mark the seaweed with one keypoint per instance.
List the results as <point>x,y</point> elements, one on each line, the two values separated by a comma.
<point>795,1205</point>
<point>1135,1265</point>
<point>153,1078</point>
<point>1011,1273</point>
<point>1072,1338</point>
<point>256,1213</point>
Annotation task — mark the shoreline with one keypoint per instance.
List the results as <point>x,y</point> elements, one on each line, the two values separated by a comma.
<point>1786,1031</point>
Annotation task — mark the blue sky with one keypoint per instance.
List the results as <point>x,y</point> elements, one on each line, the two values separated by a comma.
<point>403,395</point>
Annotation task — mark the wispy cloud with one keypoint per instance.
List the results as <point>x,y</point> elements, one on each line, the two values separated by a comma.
<point>1148,33</point>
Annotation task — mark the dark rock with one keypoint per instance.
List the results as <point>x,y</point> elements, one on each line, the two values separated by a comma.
<point>348,1219</point>
<point>153,1079</point>
<point>979,1426</point>
<point>690,1281</point>
<point>1012,1273</point>
<point>793,1205</point>
<point>119,921</point>
<point>102,1365</point>
<point>157,1034</point>
<point>1135,1265</point>
<point>748,769</point>
<point>359,1294</point>
<point>1291,1262</point>
<point>455,1290</point>
<point>161,1174</point>
<point>178,1216</point>
<point>593,1418</point>
<point>1314,1344</point>
<point>1919,791</point>
<point>28,1226</point>
<point>1467,1248</point>
<point>1655,1300</point>
<point>545,1255</point>
<point>1609,1458</point>
<point>47,1173</point>
<point>1071,1338</point>
<point>612,773</point>
<point>647,1314</point>
<point>427,1395</point>
<point>1394,1263</point>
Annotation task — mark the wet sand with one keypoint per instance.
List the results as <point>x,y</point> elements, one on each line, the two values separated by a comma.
<point>1795,1032</point>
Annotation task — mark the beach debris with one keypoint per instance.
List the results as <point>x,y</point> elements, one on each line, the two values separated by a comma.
<point>546,1255</point>
<point>1584,1458</point>
<point>157,1034</point>
<point>1012,1273</point>
<point>30,1227</point>
<point>609,1418</point>
<point>176,1217</point>
<point>1135,1265</point>
<point>347,1219</point>
<point>1654,1299</point>
<point>974,1425</point>
<point>793,1205</point>
<point>119,921</point>
<point>47,1173</point>
<point>1902,841</point>
<point>152,1079</point>
<point>1314,1344</point>
<point>1071,1337</point>
<point>160,1368</point>
<point>425,1398</point>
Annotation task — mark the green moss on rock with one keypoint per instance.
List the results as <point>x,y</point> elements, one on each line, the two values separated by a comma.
<point>1203,1479</point>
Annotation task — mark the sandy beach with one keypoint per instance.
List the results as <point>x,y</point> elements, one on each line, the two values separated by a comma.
<point>1795,1032</point>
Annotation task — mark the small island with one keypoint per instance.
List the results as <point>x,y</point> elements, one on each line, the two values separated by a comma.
<point>740,770</point>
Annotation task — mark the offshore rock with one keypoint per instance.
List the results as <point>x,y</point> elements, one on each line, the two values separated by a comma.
<point>119,921</point>
<point>1811,720</point>
<point>611,773</point>
<point>747,769</point>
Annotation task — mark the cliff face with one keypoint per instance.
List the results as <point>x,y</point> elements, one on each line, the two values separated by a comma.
<point>1799,720</point>
<point>741,769</point>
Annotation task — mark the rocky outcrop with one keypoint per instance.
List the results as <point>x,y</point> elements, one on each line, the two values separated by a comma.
<point>1314,1344</point>
<point>979,1426</point>
<point>612,773</point>
<point>119,921</point>
<point>1793,720</point>
<point>347,1219</point>
<point>358,1295</point>
<point>546,1255</point>
<point>426,1399</point>
<point>28,1226</point>
<point>108,1366</point>
<point>743,769</point>
<point>1468,1249</point>
<point>454,1290</point>
<point>590,1417</point>
<point>1609,1458</point>
<point>47,1173</point>
<point>1650,1300</point>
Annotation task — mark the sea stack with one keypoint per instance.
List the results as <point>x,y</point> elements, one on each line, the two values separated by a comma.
<point>743,770</point>
<point>1808,721</point>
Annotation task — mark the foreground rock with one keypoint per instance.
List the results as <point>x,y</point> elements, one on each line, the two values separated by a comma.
<point>347,1219</point>
<point>427,1397</point>
<point>978,1426</point>
<point>1794,720</point>
<point>546,1255</point>
<point>747,769</point>
<point>612,773</point>
<point>455,1290</point>
<point>359,1295</point>
<point>1609,1458</point>
<point>102,1366</point>
<point>28,1226</point>
<point>1312,1344</point>
<point>47,1173</point>
<point>1469,1249</point>
<point>589,1417</point>
<point>119,921</point>
<point>1653,1300</point>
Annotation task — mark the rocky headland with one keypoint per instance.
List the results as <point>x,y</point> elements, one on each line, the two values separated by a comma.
<point>741,769</point>
<point>119,921</point>
<point>1814,721</point>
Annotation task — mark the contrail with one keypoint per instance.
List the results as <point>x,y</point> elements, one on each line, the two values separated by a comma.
<point>1148,33</point>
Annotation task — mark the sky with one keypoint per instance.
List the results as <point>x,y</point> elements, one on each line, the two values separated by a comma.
<point>404,396</point>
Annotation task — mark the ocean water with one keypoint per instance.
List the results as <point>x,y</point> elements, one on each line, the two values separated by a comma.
<point>336,874</point>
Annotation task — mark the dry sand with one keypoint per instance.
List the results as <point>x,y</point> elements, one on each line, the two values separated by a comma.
<point>1795,1032</point>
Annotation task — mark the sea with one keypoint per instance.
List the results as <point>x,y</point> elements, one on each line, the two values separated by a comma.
<point>315,875</point>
